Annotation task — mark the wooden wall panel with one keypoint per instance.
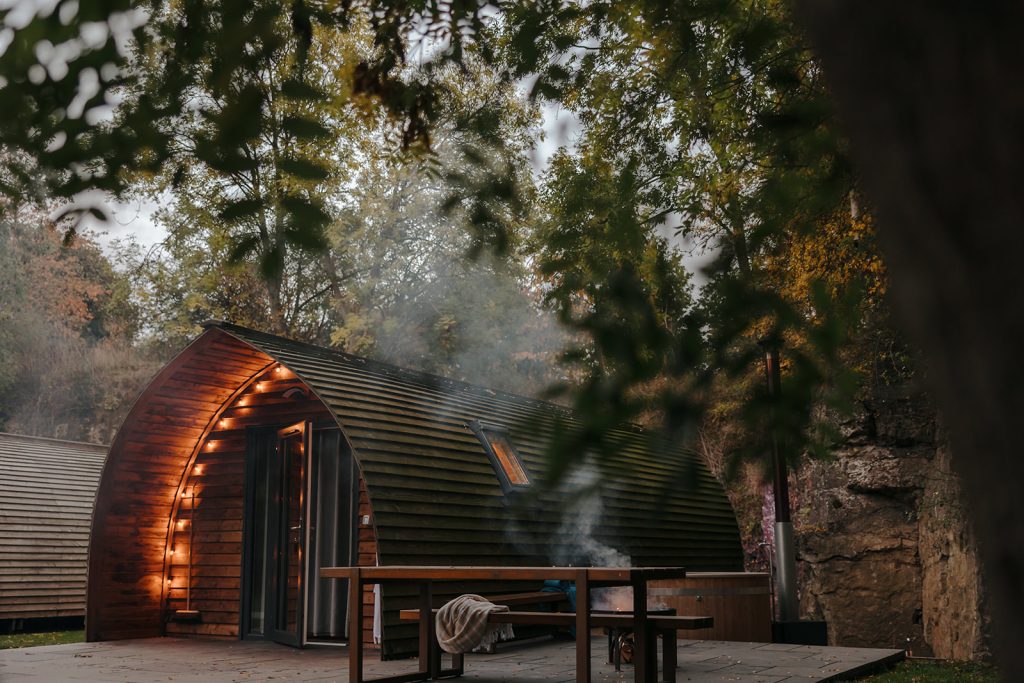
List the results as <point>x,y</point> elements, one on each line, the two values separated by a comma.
<point>187,434</point>
<point>218,477</point>
<point>142,478</point>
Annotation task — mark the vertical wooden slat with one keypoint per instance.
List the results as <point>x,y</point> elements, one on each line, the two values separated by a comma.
<point>582,627</point>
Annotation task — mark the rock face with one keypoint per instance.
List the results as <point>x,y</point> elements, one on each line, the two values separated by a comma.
<point>955,624</point>
<point>886,556</point>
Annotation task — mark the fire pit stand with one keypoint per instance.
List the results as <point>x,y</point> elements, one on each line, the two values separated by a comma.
<point>617,637</point>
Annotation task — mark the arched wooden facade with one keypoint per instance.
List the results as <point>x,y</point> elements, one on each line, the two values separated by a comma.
<point>429,494</point>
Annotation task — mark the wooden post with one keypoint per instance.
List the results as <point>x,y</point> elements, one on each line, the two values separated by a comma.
<point>430,666</point>
<point>355,626</point>
<point>668,655</point>
<point>582,627</point>
<point>643,667</point>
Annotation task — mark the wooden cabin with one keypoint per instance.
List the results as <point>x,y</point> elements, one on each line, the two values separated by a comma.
<point>251,461</point>
<point>47,487</point>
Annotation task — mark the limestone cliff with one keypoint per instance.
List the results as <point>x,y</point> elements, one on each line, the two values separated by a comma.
<point>885,551</point>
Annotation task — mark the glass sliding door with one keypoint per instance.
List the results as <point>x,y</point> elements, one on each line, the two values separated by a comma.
<point>302,503</point>
<point>332,535</point>
<point>261,453</point>
<point>273,572</point>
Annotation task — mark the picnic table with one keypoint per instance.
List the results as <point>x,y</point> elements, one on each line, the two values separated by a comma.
<point>586,578</point>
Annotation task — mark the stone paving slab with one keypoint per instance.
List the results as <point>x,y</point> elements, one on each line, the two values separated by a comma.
<point>155,660</point>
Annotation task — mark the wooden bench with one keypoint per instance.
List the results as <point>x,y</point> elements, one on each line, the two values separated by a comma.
<point>534,598</point>
<point>553,598</point>
<point>665,626</point>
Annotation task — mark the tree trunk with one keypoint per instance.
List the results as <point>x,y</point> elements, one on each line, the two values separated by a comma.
<point>929,95</point>
<point>276,308</point>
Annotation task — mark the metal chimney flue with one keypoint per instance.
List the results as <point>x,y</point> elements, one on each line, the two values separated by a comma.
<point>785,548</point>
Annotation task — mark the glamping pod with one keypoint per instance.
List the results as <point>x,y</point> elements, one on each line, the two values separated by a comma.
<point>251,461</point>
<point>47,487</point>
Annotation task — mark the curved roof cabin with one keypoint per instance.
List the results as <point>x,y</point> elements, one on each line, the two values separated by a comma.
<point>251,460</point>
<point>47,487</point>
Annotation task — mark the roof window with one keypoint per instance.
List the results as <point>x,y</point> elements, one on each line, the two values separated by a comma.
<point>503,456</point>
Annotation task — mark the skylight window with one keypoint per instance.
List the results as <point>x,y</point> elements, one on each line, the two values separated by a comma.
<point>506,461</point>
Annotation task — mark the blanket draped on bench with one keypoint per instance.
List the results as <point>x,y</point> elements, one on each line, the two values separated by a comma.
<point>462,626</point>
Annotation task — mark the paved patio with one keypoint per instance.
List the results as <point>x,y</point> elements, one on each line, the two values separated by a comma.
<point>174,659</point>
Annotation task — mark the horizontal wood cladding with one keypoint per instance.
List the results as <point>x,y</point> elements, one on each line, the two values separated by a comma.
<point>47,488</point>
<point>217,477</point>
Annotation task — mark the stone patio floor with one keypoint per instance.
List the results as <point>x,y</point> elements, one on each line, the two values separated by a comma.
<point>175,659</point>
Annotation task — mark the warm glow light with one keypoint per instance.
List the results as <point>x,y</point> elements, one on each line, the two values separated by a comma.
<point>259,386</point>
<point>181,523</point>
<point>198,469</point>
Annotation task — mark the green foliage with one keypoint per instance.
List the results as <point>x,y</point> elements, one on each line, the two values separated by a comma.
<point>701,120</point>
<point>14,640</point>
<point>937,672</point>
<point>223,70</point>
<point>705,122</point>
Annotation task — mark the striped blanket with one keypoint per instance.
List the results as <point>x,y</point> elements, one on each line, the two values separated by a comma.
<point>462,624</point>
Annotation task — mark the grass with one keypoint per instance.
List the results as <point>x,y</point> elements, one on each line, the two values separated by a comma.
<point>936,672</point>
<point>36,639</point>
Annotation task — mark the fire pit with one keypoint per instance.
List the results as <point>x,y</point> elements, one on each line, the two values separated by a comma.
<point>620,640</point>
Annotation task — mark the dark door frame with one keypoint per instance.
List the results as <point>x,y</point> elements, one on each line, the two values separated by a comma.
<point>259,440</point>
<point>288,532</point>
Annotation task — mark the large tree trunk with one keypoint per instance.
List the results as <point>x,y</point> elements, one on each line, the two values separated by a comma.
<point>930,96</point>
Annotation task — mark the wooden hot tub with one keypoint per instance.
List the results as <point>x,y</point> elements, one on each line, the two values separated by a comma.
<point>740,602</point>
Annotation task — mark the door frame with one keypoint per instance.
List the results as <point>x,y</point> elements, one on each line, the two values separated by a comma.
<point>258,440</point>
<point>345,458</point>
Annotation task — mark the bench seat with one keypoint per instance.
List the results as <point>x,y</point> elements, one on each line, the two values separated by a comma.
<point>534,598</point>
<point>660,623</point>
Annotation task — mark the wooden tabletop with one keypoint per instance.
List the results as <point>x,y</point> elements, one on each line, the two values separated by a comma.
<point>620,575</point>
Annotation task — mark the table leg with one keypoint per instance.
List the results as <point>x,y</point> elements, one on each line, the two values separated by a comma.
<point>355,627</point>
<point>582,627</point>
<point>668,655</point>
<point>429,663</point>
<point>644,665</point>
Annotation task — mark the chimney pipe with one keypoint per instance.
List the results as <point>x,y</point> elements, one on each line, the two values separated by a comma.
<point>785,549</point>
